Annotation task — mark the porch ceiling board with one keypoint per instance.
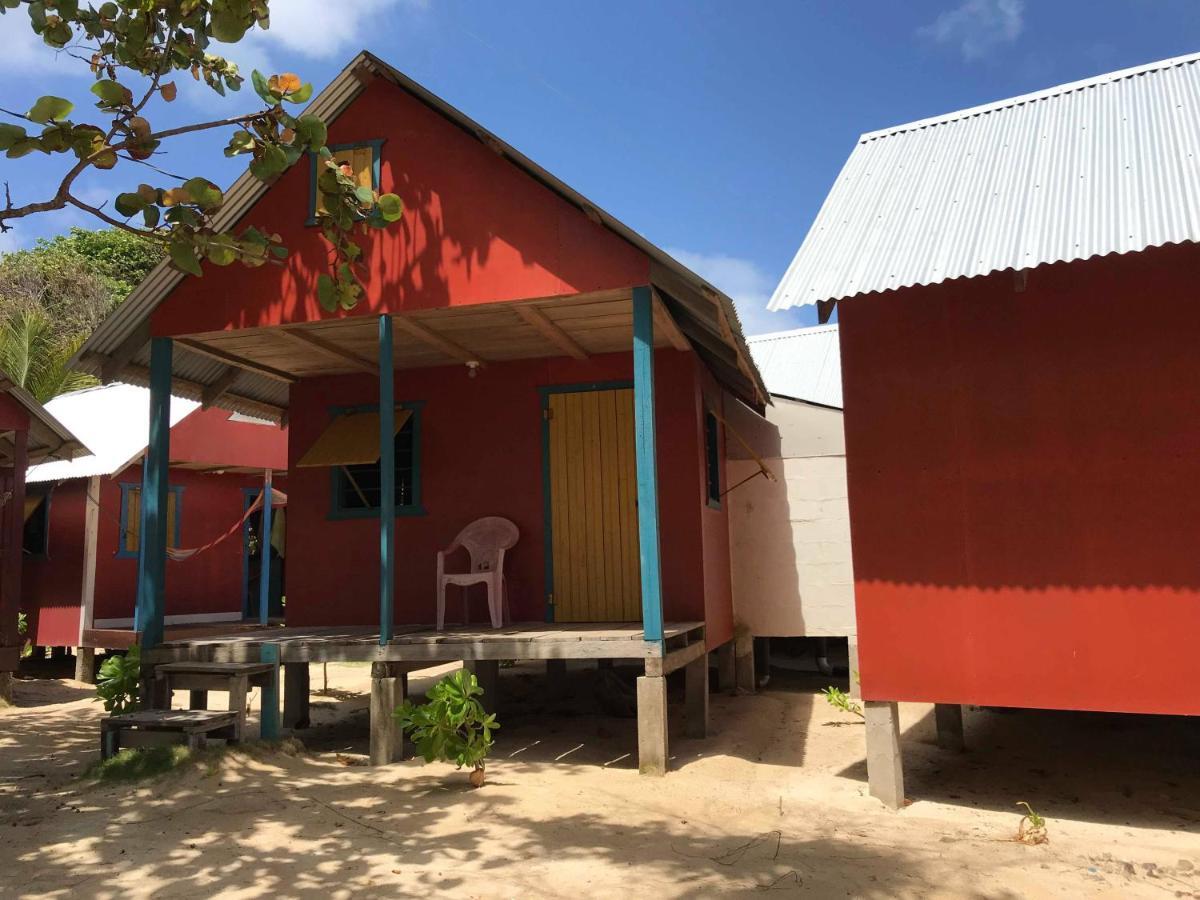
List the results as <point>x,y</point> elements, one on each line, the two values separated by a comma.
<point>600,323</point>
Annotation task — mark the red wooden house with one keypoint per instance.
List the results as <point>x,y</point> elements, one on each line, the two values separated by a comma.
<point>82,527</point>
<point>1015,289</point>
<point>28,434</point>
<point>523,354</point>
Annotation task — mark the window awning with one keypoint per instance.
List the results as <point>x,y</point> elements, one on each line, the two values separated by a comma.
<point>351,439</point>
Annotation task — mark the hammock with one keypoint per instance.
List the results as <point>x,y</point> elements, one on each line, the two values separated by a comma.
<point>278,498</point>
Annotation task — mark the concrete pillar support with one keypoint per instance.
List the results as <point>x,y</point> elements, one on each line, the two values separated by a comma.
<point>653,753</point>
<point>885,772</point>
<point>726,669</point>
<point>85,664</point>
<point>696,690</point>
<point>743,651</point>
<point>387,692</point>
<point>949,719</point>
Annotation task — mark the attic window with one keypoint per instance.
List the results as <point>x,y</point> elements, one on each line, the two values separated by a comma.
<point>363,160</point>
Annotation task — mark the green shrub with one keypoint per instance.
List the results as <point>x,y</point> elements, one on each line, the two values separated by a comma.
<point>452,726</point>
<point>117,683</point>
<point>839,699</point>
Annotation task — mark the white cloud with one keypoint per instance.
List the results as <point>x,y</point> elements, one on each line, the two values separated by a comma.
<point>317,29</point>
<point>977,26</point>
<point>25,54</point>
<point>743,280</point>
<point>10,240</point>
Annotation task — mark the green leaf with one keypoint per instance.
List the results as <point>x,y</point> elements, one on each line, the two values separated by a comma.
<point>204,193</point>
<point>10,135</point>
<point>50,109</point>
<point>390,207</point>
<point>271,164</point>
<point>301,94</point>
<point>150,216</point>
<point>326,294</point>
<point>221,254</point>
<point>312,131</point>
<point>183,255</point>
<point>364,195</point>
<point>112,94</point>
<point>260,87</point>
<point>229,20</point>
<point>129,204</point>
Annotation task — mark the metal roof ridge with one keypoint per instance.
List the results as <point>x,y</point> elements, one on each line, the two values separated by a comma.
<point>1101,80</point>
<point>792,332</point>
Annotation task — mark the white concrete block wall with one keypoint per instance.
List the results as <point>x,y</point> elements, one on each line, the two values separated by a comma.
<point>790,540</point>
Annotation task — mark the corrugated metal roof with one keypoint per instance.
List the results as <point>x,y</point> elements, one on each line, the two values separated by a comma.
<point>128,325</point>
<point>1106,165</point>
<point>804,364</point>
<point>113,420</point>
<point>48,438</point>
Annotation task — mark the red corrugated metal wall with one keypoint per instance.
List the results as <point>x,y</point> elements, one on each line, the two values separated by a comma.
<point>481,454</point>
<point>1024,502</point>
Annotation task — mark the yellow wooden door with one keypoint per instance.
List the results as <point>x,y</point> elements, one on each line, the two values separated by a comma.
<point>593,507</point>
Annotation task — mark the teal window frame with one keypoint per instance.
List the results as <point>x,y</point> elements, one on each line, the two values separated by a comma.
<point>337,512</point>
<point>712,460</point>
<point>376,146</point>
<point>126,487</point>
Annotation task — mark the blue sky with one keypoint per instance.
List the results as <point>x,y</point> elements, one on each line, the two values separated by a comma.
<point>713,128</point>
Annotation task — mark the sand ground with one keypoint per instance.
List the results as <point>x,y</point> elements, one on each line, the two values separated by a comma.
<point>774,801</point>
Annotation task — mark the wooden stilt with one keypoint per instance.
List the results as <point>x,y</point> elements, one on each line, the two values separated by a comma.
<point>264,551</point>
<point>198,700</point>
<point>487,673</point>
<point>269,720</point>
<point>949,719</point>
<point>150,610</point>
<point>387,692</point>
<point>295,695</point>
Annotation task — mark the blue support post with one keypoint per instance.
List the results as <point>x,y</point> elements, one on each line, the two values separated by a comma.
<point>264,549</point>
<point>268,727</point>
<point>647,462</point>
<point>150,609</point>
<point>387,479</point>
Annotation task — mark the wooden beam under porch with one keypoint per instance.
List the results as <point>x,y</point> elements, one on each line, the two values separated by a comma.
<point>479,648</point>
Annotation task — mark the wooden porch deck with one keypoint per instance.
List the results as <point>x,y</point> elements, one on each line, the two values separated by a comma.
<point>422,645</point>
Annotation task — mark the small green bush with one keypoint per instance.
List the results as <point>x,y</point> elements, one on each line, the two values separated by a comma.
<point>117,683</point>
<point>452,726</point>
<point>839,699</point>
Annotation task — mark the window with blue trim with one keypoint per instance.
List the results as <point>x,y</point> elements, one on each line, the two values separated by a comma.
<point>356,488</point>
<point>131,518</point>
<point>363,158</point>
<point>712,459</point>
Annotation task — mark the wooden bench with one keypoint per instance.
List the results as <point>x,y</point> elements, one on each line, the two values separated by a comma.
<point>150,727</point>
<point>201,677</point>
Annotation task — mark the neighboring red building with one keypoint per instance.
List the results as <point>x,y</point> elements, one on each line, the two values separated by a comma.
<point>512,301</point>
<point>1019,333</point>
<point>217,464</point>
<point>28,434</point>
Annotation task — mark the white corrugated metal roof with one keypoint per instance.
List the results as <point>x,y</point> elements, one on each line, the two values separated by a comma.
<point>1106,165</point>
<point>114,422</point>
<point>804,364</point>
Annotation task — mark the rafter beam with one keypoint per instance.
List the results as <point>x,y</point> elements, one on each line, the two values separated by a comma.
<point>219,388</point>
<point>550,331</point>
<point>232,359</point>
<point>116,361</point>
<point>184,387</point>
<point>433,339</point>
<point>664,321</point>
<point>332,351</point>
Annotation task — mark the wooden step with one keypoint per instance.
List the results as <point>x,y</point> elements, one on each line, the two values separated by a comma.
<point>173,726</point>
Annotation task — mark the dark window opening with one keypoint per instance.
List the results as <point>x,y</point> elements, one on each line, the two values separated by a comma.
<point>357,487</point>
<point>712,456</point>
<point>36,538</point>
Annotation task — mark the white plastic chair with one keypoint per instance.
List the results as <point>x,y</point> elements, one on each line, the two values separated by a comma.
<point>485,541</point>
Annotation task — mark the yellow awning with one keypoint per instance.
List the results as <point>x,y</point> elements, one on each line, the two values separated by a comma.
<point>352,439</point>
